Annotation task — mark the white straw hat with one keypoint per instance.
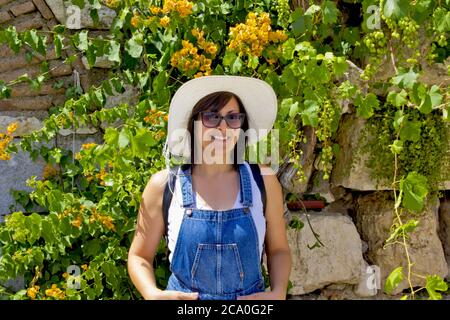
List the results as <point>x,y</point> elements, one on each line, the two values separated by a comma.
<point>257,96</point>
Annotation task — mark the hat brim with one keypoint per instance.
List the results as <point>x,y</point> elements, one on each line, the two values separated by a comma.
<point>257,96</point>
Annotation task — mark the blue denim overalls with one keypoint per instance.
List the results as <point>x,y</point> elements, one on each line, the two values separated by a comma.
<point>217,252</point>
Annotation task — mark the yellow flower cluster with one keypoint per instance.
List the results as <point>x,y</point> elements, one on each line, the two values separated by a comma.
<point>87,146</point>
<point>55,292</point>
<point>5,139</point>
<point>84,267</point>
<point>101,176</point>
<point>111,3</point>
<point>33,291</point>
<point>253,36</point>
<point>189,61</point>
<point>77,221</point>
<point>154,116</point>
<point>49,171</point>
<point>135,20</point>
<point>164,21</point>
<point>183,7</point>
<point>107,221</point>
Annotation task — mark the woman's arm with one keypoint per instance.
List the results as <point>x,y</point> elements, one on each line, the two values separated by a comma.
<point>148,234</point>
<point>277,249</point>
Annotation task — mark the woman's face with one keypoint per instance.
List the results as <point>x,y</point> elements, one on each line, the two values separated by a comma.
<point>219,142</point>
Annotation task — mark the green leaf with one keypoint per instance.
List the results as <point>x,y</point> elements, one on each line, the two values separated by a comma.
<point>441,20</point>
<point>395,9</point>
<point>405,79</point>
<point>340,66</point>
<point>288,49</point>
<point>366,106</point>
<point>299,22</point>
<point>229,58</point>
<point>415,189</point>
<point>237,65</point>
<point>410,131</point>
<point>432,99</point>
<point>330,12</point>
<point>398,119</point>
<point>397,99</point>
<point>134,46</point>
<point>48,231</point>
<point>435,283</point>
<point>312,9</point>
<point>81,40</point>
<point>396,146</point>
<point>113,51</point>
<point>393,280</point>
<point>33,223</point>
<point>58,43</point>
<point>253,62</point>
<point>293,110</point>
<point>111,136</point>
<point>310,115</point>
<point>124,138</point>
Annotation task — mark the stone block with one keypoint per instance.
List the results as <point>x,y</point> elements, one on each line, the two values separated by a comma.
<point>22,8</point>
<point>339,261</point>
<point>375,214</point>
<point>43,9</point>
<point>4,16</point>
<point>15,172</point>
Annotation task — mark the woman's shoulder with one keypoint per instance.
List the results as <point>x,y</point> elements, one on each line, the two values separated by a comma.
<point>156,184</point>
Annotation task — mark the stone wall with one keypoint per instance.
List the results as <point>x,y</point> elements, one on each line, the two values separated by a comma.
<point>352,226</point>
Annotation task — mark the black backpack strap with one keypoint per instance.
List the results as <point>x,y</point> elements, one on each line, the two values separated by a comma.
<point>256,171</point>
<point>167,198</point>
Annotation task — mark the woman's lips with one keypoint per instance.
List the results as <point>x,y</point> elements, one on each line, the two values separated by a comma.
<point>220,138</point>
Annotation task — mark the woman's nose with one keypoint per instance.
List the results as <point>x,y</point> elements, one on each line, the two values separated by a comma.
<point>223,125</point>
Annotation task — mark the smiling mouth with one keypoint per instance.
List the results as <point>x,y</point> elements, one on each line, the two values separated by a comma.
<point>220,138</point>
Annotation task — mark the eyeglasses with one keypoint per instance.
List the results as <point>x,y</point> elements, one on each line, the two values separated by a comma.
<point>213,119</point>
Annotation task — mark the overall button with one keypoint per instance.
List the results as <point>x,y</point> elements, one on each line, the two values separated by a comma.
<point>188,212</point>
<point>246,209</point>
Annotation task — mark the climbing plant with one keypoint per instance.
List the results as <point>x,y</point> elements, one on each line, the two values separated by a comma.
<point>91,198</point>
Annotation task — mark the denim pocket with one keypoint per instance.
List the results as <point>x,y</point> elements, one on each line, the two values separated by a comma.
<point>217,269</point>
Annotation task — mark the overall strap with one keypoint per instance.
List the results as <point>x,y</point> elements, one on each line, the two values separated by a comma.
<point>256,172</point>
<point>245,186</point>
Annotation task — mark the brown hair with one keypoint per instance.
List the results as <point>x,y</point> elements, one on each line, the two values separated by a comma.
<point>215,102</point>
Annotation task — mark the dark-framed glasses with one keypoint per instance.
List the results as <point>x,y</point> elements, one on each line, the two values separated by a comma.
<point>212,119</point>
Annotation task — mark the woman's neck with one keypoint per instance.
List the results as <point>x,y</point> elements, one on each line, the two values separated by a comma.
<point>211,170</point>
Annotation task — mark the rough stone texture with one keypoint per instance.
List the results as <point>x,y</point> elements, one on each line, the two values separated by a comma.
<point>5,2</point>
<point>349,171</point>
<point>68,143</point>
<point>287,170</point>
<point>47,88</point>
<point>15,172</point>
<point>444,229</point>
<point>100,62</point>
<point>320,186</point>
<point>4,16</point>
<point>340,261</point>
<point>25,125</point>
<point>23,8</point>
<point>58,9</point>
<point>374,219</point>
<point>29,21</point>
<point>31,103</point>
<point>66,13</point>
<point>43,9</point>
<point>81,130</point>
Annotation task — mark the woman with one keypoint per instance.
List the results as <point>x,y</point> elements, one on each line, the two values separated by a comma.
<point>216,226</point>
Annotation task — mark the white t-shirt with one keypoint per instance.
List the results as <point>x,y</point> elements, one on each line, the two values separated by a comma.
<point>176,212</point>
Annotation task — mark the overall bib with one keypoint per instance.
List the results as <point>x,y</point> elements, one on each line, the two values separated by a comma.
<point>217,251</point>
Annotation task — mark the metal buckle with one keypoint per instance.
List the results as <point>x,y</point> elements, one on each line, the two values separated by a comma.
<point>246,209</point>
